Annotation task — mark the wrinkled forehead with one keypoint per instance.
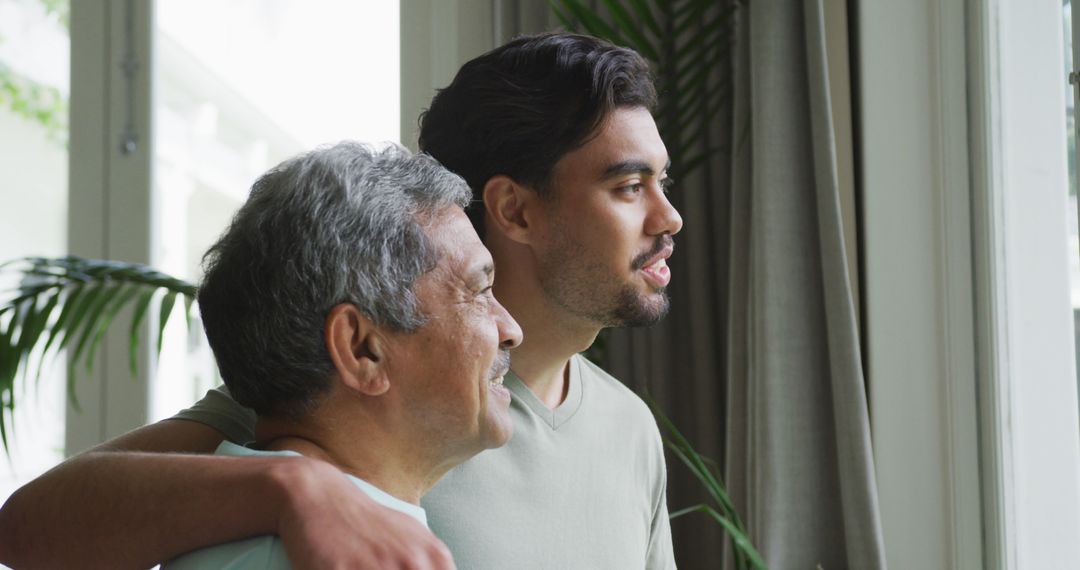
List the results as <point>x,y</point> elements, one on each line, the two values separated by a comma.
<point>456,243</point>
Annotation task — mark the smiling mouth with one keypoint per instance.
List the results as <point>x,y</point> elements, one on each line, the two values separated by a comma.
<point>653,264</point>
<point>657,273</point>
<point>660,251</point>
<point>499,368</point>
<point>658,265</point>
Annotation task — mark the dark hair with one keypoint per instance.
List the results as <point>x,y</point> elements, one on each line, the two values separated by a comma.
<point>519,108</point>
<point>341,224</point>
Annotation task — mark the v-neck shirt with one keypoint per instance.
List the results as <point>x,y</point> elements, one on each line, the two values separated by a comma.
<point>564,411</point>
<point>581,486</point>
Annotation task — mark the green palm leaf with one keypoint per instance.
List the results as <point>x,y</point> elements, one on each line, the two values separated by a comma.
<point>70,302</point>
<point>703,469</point>
<point>136,319</point>
<point>645,16</point>
<point>626,24</point>
<point>167,304</point>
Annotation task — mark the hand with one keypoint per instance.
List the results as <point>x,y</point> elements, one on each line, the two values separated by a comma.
<point>328,523</point>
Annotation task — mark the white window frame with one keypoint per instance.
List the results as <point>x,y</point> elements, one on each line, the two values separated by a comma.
<point>1028,355</point>
<point>110,195</point>
<point>969,334</point>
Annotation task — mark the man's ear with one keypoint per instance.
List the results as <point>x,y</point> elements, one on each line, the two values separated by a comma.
<point>511,207</point>
<point>355,345</point>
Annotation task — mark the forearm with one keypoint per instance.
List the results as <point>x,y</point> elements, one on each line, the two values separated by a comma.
<point>132,510</point>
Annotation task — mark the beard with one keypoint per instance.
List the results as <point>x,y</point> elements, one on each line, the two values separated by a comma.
<point>576,280</point>
<point>633,310</point>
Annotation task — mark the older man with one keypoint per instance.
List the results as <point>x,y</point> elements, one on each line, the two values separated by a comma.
<point>349,305</point>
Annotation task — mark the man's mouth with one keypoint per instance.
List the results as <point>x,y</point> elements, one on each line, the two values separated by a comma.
<point>499,368</point>
<point>498,391</point>
<point>657,274</point>
<point>654,265</point>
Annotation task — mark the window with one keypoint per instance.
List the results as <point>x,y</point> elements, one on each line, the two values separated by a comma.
<point>237,87</point>
<point>237,93</point>
<point>34,66</point>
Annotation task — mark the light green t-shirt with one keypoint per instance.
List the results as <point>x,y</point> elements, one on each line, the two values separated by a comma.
<point>579,487</point>
<point>267,552</point>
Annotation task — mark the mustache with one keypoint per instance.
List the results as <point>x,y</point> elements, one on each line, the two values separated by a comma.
<point>501,365</point>
<point>662,242</point>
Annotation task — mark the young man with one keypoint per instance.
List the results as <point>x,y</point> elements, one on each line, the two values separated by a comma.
<point>369,339</point>
<point>554,134</point>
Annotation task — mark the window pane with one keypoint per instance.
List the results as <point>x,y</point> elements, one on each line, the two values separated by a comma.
<point>237,93</point>
<point>34,67</point>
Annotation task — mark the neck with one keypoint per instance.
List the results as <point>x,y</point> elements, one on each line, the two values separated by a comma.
<point>550,334</point>
<point>378,456</point>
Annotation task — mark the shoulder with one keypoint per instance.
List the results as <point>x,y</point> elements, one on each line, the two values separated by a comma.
<point>218,410</point>
<point>607,392</point>
<point>622,411</point>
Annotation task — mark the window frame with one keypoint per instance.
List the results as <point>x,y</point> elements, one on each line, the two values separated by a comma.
<point>963,383</point>
<point>110,196</point>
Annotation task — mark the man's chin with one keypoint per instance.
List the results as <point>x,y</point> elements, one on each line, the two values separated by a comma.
<point>637,310</point>
<point>499,435</point>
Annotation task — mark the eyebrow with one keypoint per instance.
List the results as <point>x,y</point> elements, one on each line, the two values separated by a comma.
<point>488,269</point>
<point>630,167</point>
<point>471,277</point>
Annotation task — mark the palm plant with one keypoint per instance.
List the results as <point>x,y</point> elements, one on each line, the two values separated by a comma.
<point>705,471</point>
<point>70,302</point>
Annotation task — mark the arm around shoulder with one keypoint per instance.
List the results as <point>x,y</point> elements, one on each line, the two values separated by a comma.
<point>83,512</point>
<point>140,499</point>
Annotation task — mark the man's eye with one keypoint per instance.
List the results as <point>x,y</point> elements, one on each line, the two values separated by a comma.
<point>486,291</point>
<point>634,188</point>
<point>666,185</point>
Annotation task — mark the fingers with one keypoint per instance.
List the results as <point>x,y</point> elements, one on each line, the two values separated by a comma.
<point>329,523</point>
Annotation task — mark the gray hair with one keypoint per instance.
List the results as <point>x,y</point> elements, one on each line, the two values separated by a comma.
<point>340,224</point>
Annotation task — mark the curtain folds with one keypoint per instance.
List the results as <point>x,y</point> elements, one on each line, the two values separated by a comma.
<point>800,459</point>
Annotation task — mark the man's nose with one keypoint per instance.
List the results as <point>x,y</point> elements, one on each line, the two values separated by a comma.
<point>663,218</point>
<point>509,331</point>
